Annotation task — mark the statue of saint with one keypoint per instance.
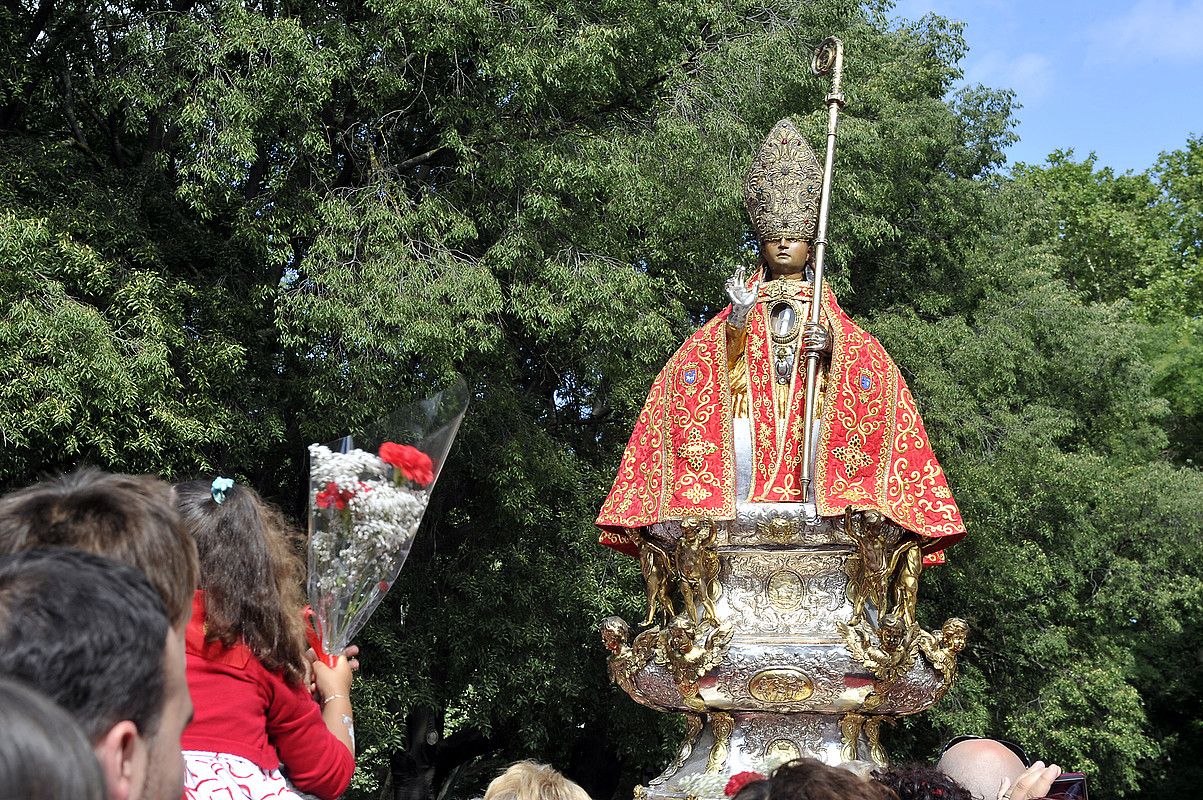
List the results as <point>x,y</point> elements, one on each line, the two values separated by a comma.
<point>723,423</point>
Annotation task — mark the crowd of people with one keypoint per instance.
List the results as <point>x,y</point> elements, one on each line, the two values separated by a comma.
<point>152,647</point>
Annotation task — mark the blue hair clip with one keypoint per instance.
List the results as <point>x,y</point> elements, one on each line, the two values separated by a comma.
<point>219,488</point>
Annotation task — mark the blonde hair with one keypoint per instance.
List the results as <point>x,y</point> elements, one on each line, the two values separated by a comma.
<point>528,780</point>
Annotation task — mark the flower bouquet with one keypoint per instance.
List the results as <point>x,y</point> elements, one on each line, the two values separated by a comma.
<point>364,509</point>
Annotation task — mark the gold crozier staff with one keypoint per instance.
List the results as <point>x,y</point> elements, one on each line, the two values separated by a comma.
<point>828,59</point>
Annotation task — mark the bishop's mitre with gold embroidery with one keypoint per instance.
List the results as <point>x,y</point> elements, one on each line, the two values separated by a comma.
<point>783,186</point>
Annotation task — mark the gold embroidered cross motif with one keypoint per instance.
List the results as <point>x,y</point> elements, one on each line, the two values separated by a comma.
<point>697,493</point>
<point>695,449</point>
<point>852,455</point>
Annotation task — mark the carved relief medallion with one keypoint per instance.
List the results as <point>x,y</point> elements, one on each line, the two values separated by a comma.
<point>781,686</point>
<point>781,751</point>
<point>784,590</point>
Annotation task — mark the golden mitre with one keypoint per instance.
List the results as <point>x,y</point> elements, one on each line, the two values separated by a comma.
<point>783,186</point>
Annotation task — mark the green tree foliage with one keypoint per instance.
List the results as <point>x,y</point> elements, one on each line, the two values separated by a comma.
<point>229,229</point>
<point>1137,237</point>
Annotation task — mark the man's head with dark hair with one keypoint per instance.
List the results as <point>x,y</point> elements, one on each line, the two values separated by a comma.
<point>129,518</point>
<point>919,782</point>
<point>92,635</point>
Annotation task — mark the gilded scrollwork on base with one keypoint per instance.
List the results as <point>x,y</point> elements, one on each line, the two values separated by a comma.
<point>721,726</point>
<point>768,737</point>
<point>877,753</point>
<point>785,593</point>
<point>851,726</point>
<point>693,729</point>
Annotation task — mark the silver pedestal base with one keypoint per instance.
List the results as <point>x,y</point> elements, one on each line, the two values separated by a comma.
<point>746,741</point>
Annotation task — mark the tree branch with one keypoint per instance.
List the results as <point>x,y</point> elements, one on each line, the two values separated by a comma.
<point>420,159</point>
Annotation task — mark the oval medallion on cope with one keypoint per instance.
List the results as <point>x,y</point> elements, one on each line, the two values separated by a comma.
<point>781,685</point>
<point>784,589</point>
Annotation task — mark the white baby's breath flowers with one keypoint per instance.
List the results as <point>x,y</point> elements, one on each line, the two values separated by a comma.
<point>361,528</point>
<point>343,469</point>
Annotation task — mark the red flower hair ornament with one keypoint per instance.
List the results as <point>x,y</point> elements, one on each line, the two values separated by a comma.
<point>739,780</point>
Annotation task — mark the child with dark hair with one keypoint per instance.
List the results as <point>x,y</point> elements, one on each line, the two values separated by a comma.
<point>917,782</point>
<point>247,662</point>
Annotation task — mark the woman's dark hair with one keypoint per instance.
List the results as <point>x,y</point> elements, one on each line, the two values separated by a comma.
<point>251,574</point>
<point>43,752</point>
<point>808,779</point>
<point>919,782</point>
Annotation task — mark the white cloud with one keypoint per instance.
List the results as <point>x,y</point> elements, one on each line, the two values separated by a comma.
<point>1150,29</point>
<point>1030,75</point>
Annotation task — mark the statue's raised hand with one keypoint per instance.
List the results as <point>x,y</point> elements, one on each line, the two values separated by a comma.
<point>743,297</point>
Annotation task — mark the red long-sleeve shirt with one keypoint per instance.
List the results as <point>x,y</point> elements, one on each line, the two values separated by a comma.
<point>243,709</point>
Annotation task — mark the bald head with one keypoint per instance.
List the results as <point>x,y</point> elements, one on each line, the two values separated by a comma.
<point>980,766</point>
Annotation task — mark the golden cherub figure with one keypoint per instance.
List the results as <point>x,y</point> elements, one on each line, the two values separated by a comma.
<point>942,650</point>
<point>697,569</point>
<point>688,660</point>
<point>892,655</point>
<point>626,660</point>
<point>656,567</point>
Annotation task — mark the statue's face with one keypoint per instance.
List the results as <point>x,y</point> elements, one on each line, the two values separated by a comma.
<point>785,256</point>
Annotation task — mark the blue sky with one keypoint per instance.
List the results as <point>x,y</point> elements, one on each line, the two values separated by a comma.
<point>1121,79</point>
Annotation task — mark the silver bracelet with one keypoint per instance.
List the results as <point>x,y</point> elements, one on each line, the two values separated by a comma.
<point>334,697</point>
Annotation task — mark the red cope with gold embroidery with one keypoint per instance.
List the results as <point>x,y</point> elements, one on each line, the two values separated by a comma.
<point>873,450</point>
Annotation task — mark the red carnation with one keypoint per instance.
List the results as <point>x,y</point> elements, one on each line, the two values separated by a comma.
<point>333,496</point>
<point>739,780</point>
<point>411,462</point>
